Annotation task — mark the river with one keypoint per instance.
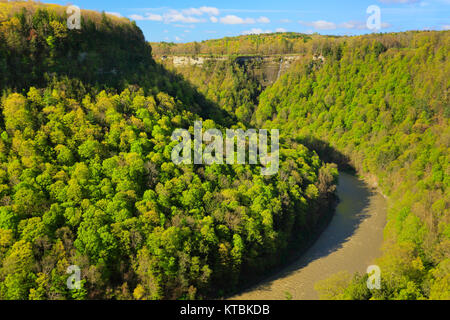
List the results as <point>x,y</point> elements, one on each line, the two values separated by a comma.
<point>351,242</point>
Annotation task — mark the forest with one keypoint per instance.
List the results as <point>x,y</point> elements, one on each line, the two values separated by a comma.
<point>255,44</point>
<point>383,102</point>
<point>378,104</point>
<point>86,176</point>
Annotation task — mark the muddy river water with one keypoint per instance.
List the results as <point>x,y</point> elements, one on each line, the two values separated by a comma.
<point>351,242</point>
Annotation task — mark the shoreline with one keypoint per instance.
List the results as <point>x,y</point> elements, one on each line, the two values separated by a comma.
<point>350,242</point>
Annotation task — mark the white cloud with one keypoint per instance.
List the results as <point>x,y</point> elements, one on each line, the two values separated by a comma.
<point>200,11</point>
<point>232,19</point>
<point>446,27</point>
<point>210,10</point>
<point>154,17</point>
<point>353,25</point>
<point>176,16</point>
<point>320,24</point>
<point>192,12</point>
<point>178,38</point>
<point>285,21</point>
<point>148,16</point>
<point>114,14</point>
<point>213,19</point>
<point>263,20</point>
<point>272,11</point>
<point>249,20</point>
<point>325,25</point>
<point>281,30</point>
<point>360,25</point>
<point>191,15</point>
<point>136,17</point>
<point>255,31</point>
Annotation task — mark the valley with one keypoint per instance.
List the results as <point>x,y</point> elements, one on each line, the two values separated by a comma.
<point>350,243</point>
<point>88,182</point>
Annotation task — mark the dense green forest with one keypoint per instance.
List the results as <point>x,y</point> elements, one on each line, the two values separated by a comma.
<point>230,85</point>
<point>86,176</point>
<point>108,53</point>
<point>379,104</point>
<point>257,44</point>
<point>35,44</point>
<point>383,102</point>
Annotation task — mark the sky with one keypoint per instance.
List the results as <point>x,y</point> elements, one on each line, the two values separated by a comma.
<point>197,20</point>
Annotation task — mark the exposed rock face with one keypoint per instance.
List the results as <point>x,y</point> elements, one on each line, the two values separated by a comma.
<point>192,61</point>
<point>266,68</point>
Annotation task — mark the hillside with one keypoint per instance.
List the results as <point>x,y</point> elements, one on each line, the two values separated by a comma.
<point>87,180</point>
<point>383,102</point>
<point>255,44</point>
<point>376,103</point>
<point>35,45</point>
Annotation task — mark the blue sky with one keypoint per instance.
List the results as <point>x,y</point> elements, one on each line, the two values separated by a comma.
<point>183,21</point>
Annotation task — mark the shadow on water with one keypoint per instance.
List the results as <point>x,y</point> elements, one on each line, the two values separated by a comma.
<point>327,153</point>
<point>336,229</point>
<point>337,248</point>
<point>354,198</point>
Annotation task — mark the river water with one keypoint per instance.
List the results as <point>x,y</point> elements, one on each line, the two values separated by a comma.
<point>351,242</point>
